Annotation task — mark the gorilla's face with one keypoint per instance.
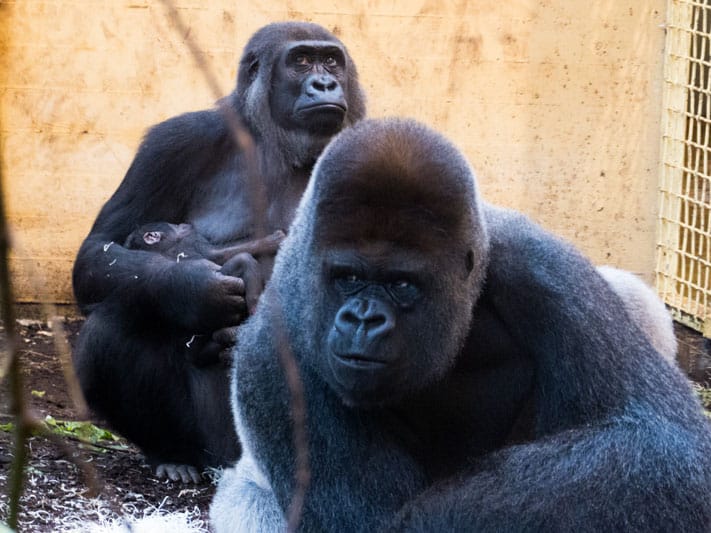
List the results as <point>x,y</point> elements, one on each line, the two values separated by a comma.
<point>378,302</point>
<point>160,236</point>
<point>309,87</point>
<point>392,256</point>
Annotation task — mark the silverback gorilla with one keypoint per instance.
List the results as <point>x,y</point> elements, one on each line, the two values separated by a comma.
<point>297,86</point>
<point>463,369</point>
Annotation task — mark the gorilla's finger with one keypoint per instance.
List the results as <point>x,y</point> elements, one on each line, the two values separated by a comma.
<point>231,284</point>
<point>225,336</point>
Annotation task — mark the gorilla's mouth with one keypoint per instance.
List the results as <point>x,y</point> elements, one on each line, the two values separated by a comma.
<point>321,107</point>
<point>358,361</point>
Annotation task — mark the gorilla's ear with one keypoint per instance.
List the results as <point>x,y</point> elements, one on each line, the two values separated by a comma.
<point>253,70</point>
<point>470,261</point>
<point>251,62</point>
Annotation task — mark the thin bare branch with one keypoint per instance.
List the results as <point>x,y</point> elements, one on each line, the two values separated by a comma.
<point>64,352</point>
<point>298,417</point>
<point>259,207</point>
<point>18,404</point>
<point>240,134</point>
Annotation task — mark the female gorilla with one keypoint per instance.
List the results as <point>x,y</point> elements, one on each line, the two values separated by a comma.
<point>463,369</point>
<point>297,87</point>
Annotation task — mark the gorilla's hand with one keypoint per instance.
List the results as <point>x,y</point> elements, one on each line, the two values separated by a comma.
<point>226,338</point>
<point>197,297</point>
<point>246,267</point>
<point>217,349</point>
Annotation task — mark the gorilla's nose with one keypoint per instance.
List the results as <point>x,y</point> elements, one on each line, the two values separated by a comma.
<point>323,84</point>
<point>370,316</point>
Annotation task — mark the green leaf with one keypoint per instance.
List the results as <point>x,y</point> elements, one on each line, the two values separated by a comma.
<point>81,430</point>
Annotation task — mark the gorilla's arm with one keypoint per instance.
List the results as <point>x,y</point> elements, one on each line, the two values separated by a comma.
<point>561,312</point>
<point>614,423</point>
<point>358,464</point>
<point>616,477</point>
<point>158,186</point>
<point>263,246</point>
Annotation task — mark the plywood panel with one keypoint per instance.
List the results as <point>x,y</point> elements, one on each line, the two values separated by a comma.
<point>555,102</point>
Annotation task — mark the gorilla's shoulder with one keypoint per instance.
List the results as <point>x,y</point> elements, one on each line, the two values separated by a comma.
<point>518,243</point>
<point>506,226</point>
<point>176,148</point>
<point>195,130</point>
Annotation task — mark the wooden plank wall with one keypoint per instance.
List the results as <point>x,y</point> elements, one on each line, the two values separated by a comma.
<point>555,102</point>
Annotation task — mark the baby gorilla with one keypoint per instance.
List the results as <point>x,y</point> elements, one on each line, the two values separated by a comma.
<point>182,241</point>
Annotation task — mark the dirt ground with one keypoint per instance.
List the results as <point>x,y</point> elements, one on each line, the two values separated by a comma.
<point>56,496</point>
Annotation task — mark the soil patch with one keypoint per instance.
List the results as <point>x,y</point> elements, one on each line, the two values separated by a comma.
<point>56,494</point>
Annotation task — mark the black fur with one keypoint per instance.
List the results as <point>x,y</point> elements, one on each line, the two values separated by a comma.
<point>181,241</point>
<point>135,360</point>
<point>250,261</point>
<point>513,394</point>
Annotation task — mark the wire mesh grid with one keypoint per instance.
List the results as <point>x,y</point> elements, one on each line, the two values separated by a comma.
<point>683,271</point>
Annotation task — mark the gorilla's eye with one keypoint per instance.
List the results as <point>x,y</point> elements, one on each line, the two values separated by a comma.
<point>330,61</point>
<point>403,292</point>
<point>349,282</point>
<point>302,59</point>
